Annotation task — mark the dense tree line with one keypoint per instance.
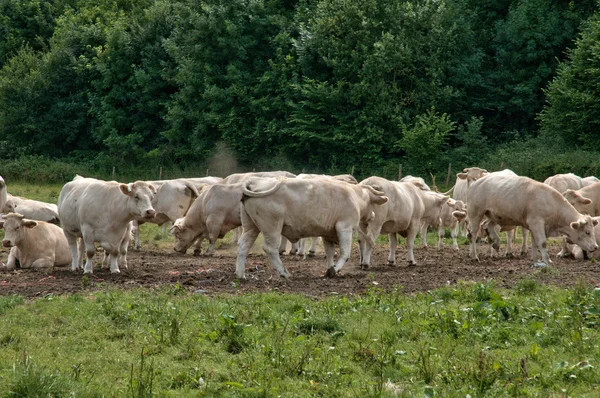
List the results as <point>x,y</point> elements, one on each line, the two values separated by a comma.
<point>323,85</point>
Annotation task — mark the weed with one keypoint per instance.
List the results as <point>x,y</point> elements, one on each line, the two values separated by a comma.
<point>30,380</point>
<point>141,384</point>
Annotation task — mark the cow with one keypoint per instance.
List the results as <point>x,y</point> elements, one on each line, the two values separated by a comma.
<point>461,187</point>
<point>31,209</point>
<point>403,213</point>
<point>418,181</point>
<point>241,177</point>
<point>297,208</point>
<point>589,181</point>
<point>447,220</point>
<point>3,193</point>
<point>562,182</point>
<point>172,200</point>
<point>35,244</point>
<point>509,200</point>
<point>101,211</point>
<point>586,200</point>
<point>212,215</point>
<point>576,251</point>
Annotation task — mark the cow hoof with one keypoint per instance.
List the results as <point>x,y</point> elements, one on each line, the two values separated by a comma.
<point>311,253</point>
<point>392,263</point>
<point>411,263</point>
<point>364,266</point>
<point>330,272</point>
<point>496,246</point>
<point>197,252</point>
<point>115,271</point>
<point>509,255</point>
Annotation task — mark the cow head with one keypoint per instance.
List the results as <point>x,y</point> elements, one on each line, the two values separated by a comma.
<point>10,206</point>
<point>581,232</point>
<point>581,204</point>
<point>2,183</point>
<point>140,195</point>
<point>472,174</point>
<point>184,235</point>
<point>14,226</point>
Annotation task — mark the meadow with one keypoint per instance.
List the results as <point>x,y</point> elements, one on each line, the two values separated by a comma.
<point>467,339</point>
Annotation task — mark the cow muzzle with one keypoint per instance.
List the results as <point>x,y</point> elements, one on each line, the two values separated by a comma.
<point>150,214</point>
<point>6,243</point>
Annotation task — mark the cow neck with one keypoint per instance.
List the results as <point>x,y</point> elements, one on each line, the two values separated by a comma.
<point>566,216</point>
<point>29,245</point>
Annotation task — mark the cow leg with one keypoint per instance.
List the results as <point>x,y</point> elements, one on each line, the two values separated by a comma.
<point>122,259</point>
<point>81,255</point>
<point>302,247</point>
<point>509,240</point>
<point>474,224</point>
<point>247,239</point>
<point>13,256</point>
<point>105,260</point>
<point>237,232</point>
<point>90,251</point>
<point>454,234</point>
<point>410,243</point>
<point>198,245</point>
<point>72,241</point>
<point>344,233</point>
<point>293,248</point>
<point>441,233</point>
<point>43,263</point>
<point>313,246</point>
<point>564,251</point>
<point>329,253</point>
<point>538,240</point>
<point>423,233</point>
<point>283,245</point>
<point>393,238</point>
<point>214,225</point>
<point>271,248</point>
<point>136,234</point>
<point>368,237</point>
<point>525,233</point>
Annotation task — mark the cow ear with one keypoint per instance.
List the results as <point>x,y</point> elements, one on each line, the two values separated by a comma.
<point>584,201</point>
<point>30,223</point>
<point>152,188</point>
<point>462,176</point>
<point>575,225</point>
<point>126,189</point>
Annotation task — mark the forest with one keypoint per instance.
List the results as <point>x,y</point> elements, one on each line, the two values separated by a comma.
<point>329,86</point>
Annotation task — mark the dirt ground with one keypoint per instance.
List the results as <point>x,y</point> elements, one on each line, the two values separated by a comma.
<point>214,275</point>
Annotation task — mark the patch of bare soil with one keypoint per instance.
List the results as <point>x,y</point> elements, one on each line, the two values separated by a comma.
<point>214,275</point>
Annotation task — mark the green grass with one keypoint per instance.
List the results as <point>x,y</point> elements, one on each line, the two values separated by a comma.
<point>470,340</point>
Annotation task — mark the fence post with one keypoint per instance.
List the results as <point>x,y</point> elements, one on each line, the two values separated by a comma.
<point>160,173</point>
<point>449,174</point>
<point>207,172</point>
<point>399,171</point>
<point>352,172</point>
<point>113,173</point>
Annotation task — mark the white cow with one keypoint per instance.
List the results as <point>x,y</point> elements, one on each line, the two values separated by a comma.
<point>407,206</point>
<point>418,181</point>
<point>101,211</point>
<point>461,188</point>
<point>3,193</point>
<point>31,209</point>
<point>447,220</point>
<point>212,215</point>
<point>589,181</point>
<point>172,200</point>
<point>562,182</point>
<point>296,209</point>
<point>34,244</point>
<point>509,200</point>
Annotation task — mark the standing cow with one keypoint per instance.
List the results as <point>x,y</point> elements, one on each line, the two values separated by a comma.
<point>296,209</point>
<point>509,200</point>
<point>34,244</point>
<point>101,211</point>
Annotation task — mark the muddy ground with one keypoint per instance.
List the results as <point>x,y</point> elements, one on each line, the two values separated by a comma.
<point>214,275</point>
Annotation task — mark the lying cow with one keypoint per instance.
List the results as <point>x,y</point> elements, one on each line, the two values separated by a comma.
<point>296,209</point>
<point>35,244</point>
<point>101,211</point>
<point>562,182</point>
<point>509,200</point>
<point>576,252</point>
<point>212,215</point>
<point>31,209</point>
<point>407,206</point>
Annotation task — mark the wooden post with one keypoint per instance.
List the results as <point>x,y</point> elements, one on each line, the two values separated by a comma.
<point>399,171</point>
<point>449,174</point>
<point>207,172</point>
<point>113,173</point>
<point>352,172</point>
<point>160,173</point>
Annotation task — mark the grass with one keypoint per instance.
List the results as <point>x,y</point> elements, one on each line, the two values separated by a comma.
<point>473,339</point>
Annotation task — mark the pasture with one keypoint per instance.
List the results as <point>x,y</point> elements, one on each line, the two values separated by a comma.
<point>178,325</point>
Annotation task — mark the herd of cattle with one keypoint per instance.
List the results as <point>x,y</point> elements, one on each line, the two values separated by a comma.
<point>283,206</point>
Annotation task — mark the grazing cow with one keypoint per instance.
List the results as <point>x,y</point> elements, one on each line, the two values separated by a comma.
<point>212,215</point>
<point>31,209</point>
<point>101,211</point>
<point>562,182</point>
<point>34,244</point>
<point>461,188</point>
<point>509,200</point>
<point>403,213</point>
<point>296,209</point>
<point>172,200</point>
